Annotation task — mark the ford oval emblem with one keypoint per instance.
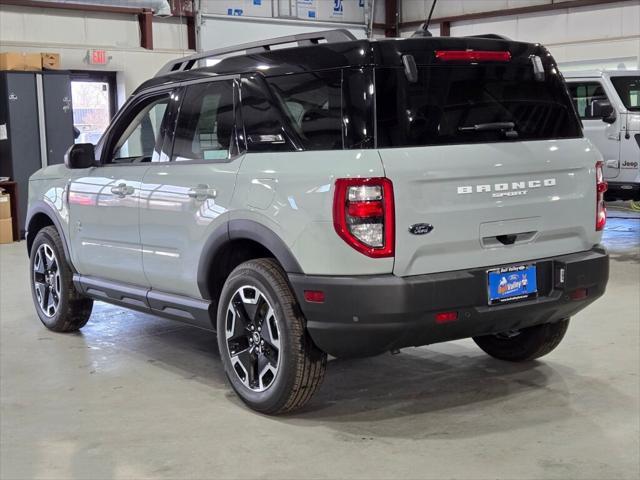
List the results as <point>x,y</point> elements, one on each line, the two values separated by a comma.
<point>420,228</point>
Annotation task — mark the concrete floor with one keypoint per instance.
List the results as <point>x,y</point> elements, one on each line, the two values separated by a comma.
<point>134,396</point>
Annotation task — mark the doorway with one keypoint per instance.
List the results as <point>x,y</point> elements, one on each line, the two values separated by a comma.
<point>94,100</point>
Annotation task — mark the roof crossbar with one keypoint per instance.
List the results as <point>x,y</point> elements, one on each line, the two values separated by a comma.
<point>302,39</point>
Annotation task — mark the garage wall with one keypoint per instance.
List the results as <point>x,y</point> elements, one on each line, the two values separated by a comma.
<point>586,37</point>
<point>603,36</point>
<point>73,33</point>
<point>221,32</point>
<point>346,11</point>
<point>231,22</point>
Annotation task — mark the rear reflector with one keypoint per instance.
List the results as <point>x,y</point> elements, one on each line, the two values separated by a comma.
<point>444,317</point>
<point>314,296</point>
<point>578,294</point>
<point>472,56</point>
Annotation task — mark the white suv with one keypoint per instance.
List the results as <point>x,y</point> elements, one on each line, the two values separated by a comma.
<point>344,197</point>
<point>608,102</point>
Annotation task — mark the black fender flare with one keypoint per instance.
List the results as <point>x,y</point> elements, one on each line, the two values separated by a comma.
<point>40,206</point>
<point>240,230</point>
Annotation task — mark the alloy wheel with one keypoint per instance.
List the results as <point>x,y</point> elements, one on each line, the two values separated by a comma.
<point>253,338</point>
<point>46,280</point>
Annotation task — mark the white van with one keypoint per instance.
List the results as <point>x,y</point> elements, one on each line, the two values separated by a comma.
<point>608,102</point>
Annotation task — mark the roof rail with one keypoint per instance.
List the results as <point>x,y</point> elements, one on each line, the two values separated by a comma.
<point>329,36</point>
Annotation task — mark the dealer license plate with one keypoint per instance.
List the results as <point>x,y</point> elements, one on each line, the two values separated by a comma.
<point>512,284</point>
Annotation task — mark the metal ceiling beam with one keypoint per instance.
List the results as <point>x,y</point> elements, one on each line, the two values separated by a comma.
<point>391,18</point>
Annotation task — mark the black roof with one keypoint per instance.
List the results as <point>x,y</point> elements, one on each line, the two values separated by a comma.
<point>357,53</point>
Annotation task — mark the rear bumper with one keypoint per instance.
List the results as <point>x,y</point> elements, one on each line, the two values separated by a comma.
<point>623,191</point>
<point>367,315</point>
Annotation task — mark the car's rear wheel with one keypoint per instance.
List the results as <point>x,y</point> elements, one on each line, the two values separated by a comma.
<point>525,344</point>
<point>268,356</point>
<point>59,305</point>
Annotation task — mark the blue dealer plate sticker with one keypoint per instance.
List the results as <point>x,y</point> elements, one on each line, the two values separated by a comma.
<point>512,284</point>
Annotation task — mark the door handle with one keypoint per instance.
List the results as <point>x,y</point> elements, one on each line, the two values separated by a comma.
<point>202,192</point>
<point>122,190</point>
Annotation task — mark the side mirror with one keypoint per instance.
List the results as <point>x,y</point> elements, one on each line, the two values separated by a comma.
<point>611,118</point>
<point>603,109</point>
<point>80,155</point>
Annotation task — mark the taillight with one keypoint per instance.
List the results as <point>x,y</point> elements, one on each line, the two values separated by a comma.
<point>472,56</point>
<point>363,215</point>
<point>601,187</point>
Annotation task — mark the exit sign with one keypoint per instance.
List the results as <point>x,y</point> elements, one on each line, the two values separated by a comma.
<point>98,57</point>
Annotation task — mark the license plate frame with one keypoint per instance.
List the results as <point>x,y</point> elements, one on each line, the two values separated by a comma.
<point>512,283</point>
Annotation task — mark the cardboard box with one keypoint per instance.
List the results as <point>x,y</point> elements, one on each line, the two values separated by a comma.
<point>32,61</point>
<point>11,61</point>
<point>5,206</point>
<point>6,231</point>
<point>50,61</point>
<point>20,61</point>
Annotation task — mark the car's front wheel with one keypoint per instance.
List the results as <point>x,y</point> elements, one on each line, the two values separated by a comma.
<point>268,356</point>
<point>525,344</point>
<point>59,305</point>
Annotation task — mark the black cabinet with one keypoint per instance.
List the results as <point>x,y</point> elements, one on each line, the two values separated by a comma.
<point>36,127</point>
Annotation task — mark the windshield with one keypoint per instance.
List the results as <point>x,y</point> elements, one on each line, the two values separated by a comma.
<point>471,104</point>
<point>628,89</point>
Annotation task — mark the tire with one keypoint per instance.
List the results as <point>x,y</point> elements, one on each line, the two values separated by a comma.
<point>268,356</point>
<point>59,305</point>
<point>526,344</point>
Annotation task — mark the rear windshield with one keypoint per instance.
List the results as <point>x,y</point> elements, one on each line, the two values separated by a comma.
<point>471,104</point>
<point>629,90</point>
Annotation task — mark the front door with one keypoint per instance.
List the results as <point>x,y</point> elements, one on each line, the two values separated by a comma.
<point>605,136</point>
<point>104,205</point>
<point>185,200</point>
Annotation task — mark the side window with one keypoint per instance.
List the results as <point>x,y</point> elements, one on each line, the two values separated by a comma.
<point>206,123</point>
<point>583,95</point>
<point>262,118</point>
<point>313,104</point>
<point>137,143</point>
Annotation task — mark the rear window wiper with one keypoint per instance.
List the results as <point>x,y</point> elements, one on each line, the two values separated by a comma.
<point>508,128</point>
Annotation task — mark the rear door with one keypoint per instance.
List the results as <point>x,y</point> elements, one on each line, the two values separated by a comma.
<point>491,157</point>
<point>186,199</point>
<point>605,136</point>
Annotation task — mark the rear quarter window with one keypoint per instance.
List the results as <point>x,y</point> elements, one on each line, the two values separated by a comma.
<point>312,103</point>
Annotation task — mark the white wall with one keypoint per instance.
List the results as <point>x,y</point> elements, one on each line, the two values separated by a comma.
<point>72,33</point>
<point>320,10</point>
<point>232,22</point>
<point>218,32</point>
<point>579,38</point>
<point>413,10</point>
<point>586,37</point>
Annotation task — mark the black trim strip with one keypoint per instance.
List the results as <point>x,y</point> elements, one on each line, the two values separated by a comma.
<point>196,312</point>
<point>239,229</point>
<point>40,206</point>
